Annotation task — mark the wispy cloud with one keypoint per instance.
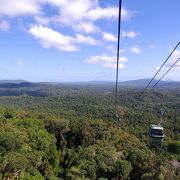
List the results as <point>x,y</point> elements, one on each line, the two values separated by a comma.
<point>40,19</point>
<point>107,13</point>
<point>113,49</point>
<point>158,67</point>
<point>4,25</point>
<point>152,46</point>
<point>109,37</point>
<point>80,15</point>
<point>107,61</point>
<point>53,39</point>
<point>135,49</point>
<point>87,72</point>
<point>175,56</point>
<point>20,63</point>
<point>87,40</point>
<point>17,8</point>
<point>129,34</point>
<point>86,27</point>
<point>87,9</point>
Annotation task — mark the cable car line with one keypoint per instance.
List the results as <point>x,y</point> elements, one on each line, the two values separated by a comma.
<point>166,72</point>
<point>118,51</point>
<point>160,68</point>
<point>156,132</point>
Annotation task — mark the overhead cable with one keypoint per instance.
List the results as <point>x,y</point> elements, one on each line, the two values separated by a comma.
<point>166,72</point>
<point>118,51</point>
<point>161,67</point>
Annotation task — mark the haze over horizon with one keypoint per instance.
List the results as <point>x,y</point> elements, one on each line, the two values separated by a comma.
<point>68,41</point>
<point>131,80</point>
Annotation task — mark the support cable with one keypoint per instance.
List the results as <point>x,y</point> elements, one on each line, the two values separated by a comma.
<point>160,68</point>
<point>166,72</point>
<point>118,50</point>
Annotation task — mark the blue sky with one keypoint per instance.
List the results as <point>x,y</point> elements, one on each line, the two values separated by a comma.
<point>76,40</point>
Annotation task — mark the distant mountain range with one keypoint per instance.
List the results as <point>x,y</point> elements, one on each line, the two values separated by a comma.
<point>12,81</point>
<point>141,83</point>
<point>15,84</point>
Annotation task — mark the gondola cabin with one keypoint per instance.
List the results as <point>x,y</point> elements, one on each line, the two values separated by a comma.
<point>156,134</point>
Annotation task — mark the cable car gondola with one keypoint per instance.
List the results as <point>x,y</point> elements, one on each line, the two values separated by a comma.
<point>156,134</point>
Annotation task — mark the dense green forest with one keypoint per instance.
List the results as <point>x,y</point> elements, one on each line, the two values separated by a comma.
<point>68,131</point>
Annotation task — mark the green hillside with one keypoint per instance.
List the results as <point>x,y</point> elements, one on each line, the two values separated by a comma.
<point>70,133</point>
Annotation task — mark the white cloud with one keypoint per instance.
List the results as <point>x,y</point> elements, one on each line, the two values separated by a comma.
<point>178,63</point>
<point>158,67</point>
<point>175,56</point>
<point>43,20</point>
<point>135,49</point>
<point>126,14</point>
<point>73,10</point>
<point>14,8</point>
<point>152,46</point>
<point>108,13</point>
<point>87,72</point>
<point>20,64</point>
<point>56,2</point>
<point>4,25</point>
<point>61,69</point>
<point>87,40</point>
<point>102,13</point>
<point>109,37</point>
<point>107,61</point>
<point>121,51</point>
<point>113,49</point>
<point>53,39</point>
<point>82,14</point>
<point>129,34</point>
<point>86,27</point>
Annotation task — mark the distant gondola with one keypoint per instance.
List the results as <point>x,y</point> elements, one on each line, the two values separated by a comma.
<point>156,134</point>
